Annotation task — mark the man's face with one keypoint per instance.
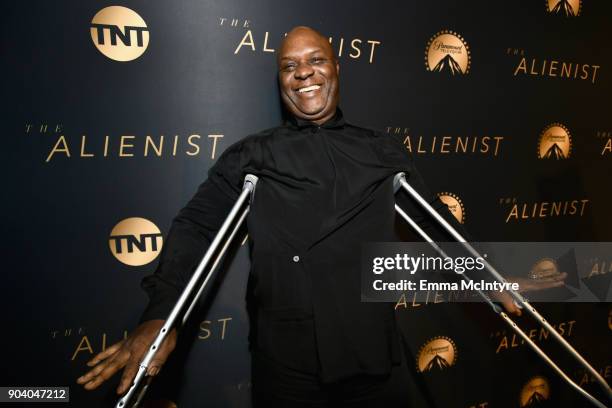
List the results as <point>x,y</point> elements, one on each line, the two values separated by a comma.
<point>308,76</point>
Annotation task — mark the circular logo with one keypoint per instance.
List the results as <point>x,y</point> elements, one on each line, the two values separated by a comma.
<point>437,354</point>
<point>544,268</point>
<point>448,52</point>
<point>135,241</point>
<point>119,33</point>
<point>566,8</point>
<point>535,392</point>
<point>555,142</point>
<point>454,204</point>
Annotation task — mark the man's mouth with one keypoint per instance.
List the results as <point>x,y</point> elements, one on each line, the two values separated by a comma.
<point>310,88</point>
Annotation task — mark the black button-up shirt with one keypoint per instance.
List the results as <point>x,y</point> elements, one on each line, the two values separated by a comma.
<point>322,191</point>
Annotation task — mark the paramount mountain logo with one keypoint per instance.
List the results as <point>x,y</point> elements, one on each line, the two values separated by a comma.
<point>454,204</point>
<point>437,354</point>
<point>566,8</point>
<point>555,142</point>
<point>535,393</point>
<point>447,52</point>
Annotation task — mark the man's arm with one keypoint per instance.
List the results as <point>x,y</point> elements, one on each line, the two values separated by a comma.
<point>191,233</point>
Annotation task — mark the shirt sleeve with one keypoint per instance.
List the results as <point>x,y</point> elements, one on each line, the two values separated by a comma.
<point>191,232</point>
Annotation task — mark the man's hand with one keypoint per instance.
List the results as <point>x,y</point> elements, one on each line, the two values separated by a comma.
<point>128,353</point>
<point>527,285</point>
<point>507,302</point>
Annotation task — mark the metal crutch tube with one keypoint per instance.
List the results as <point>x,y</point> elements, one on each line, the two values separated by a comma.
<point>141,393</point>
<point>399,181</point>
<point>503,314</point>
<point>426,237</point>
<point>214,265</point>
<point>138,388</point>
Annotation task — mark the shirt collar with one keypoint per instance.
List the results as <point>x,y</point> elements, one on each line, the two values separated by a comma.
<point>337,121</point>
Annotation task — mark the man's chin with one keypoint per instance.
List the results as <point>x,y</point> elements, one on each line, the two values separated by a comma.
<point>313,113</point>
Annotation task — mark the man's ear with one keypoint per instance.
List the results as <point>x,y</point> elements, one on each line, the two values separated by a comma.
<point>337,68</point>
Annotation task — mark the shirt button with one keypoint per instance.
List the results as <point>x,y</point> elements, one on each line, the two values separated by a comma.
<point>296,258</point>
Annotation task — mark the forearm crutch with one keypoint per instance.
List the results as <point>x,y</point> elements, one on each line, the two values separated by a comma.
<point>399,182</point>
<point>233,221</point>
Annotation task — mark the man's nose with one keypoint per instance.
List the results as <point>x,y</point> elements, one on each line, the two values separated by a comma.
<point>303,71</point>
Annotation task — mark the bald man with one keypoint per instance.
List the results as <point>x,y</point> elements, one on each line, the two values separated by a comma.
<point>325,186</point>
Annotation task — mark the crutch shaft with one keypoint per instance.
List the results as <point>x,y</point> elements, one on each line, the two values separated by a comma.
<point>135,392</point>
<point>550,362</point>
<point>400,182</point>
<point>214,265</point>
<point>428,239</point>
<point>506,318</point>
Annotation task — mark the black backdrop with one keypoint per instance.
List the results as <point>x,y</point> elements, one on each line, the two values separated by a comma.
<point>68,296</point>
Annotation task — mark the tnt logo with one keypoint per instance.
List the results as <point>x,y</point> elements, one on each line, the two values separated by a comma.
<point>135,241</point>
<point>119,33</point>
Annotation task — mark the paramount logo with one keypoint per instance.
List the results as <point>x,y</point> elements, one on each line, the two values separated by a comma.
<point>555,142</point>
<point>447,52</point>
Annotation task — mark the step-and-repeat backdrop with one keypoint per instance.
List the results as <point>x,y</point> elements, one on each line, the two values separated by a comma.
<point>114,111</point>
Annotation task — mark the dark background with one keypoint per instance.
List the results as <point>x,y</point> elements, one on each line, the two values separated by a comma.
<point>62,287</point>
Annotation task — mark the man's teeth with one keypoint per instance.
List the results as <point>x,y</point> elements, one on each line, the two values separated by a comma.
<point>309,88</point>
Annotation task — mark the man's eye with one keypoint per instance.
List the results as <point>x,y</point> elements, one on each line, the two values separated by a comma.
<point>289,67</point>
<point>317,60</point>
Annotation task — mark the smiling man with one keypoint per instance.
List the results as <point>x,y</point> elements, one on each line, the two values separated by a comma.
<point>325,186</point>
<point>308,76</point>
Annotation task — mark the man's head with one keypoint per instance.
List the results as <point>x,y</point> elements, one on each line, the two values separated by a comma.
<point>308,75</point>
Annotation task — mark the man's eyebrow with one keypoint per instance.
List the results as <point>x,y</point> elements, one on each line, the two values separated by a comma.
<point>310,53</point>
